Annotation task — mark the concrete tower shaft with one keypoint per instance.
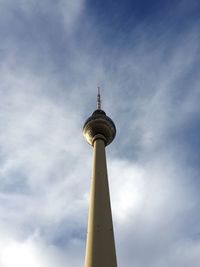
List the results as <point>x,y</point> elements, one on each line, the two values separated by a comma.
<point>99,131</point>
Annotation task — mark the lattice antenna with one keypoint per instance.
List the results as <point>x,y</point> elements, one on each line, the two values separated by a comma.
<point>98,98</point>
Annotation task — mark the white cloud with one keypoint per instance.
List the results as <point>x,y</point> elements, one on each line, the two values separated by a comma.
<point>45,165</point>
<point>71,12</point>
<point>35,252</point>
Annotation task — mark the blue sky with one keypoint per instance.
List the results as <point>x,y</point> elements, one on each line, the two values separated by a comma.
<point>145,57</point>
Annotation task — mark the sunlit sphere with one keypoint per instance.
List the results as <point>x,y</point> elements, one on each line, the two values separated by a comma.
<point>99,124</point>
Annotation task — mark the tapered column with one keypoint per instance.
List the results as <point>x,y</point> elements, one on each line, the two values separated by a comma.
<point>100,246</point>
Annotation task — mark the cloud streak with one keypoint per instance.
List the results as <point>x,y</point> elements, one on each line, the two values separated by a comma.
<point>52,58</point>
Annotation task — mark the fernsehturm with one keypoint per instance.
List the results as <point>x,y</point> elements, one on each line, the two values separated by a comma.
<point>99,131</point>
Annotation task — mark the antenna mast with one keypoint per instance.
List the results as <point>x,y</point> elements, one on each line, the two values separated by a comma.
<point>98,98</point>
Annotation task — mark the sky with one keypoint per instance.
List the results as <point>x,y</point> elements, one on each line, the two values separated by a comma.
<point>145,56</point>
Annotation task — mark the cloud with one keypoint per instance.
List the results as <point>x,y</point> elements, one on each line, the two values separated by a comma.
<point>34,251</point>
<point>154,203</point>
<point>50,66</point>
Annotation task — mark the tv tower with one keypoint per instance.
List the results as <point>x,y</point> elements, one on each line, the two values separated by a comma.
<point>99,131</point>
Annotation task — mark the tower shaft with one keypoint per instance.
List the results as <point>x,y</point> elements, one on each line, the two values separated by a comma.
<point>100,246</point>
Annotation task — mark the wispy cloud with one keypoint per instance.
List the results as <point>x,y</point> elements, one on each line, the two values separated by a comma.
<point>52,58</point>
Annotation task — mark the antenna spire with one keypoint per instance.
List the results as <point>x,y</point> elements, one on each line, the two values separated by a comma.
<point>98,98</point>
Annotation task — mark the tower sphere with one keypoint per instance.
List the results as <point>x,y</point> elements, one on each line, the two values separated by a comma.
<point>99,125</point>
